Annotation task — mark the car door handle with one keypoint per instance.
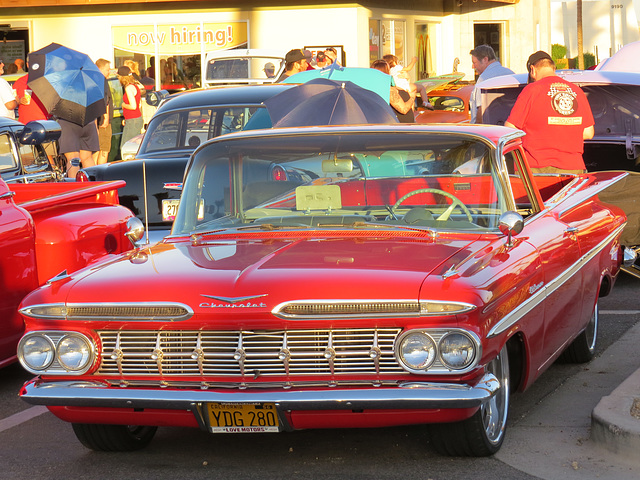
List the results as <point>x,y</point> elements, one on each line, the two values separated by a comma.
<point>7,195</point>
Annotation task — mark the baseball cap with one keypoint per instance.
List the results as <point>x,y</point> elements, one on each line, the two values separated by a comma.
<point>294,55</point>
<point>124,71</point>
<point>269,66</point>
<point>536,57</point>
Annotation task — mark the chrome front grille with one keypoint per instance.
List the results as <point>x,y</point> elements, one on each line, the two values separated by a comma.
<point>249,353</point>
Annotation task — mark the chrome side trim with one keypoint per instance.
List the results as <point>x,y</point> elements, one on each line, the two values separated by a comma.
<point>524,308</point>
<point>596,191</point>
<point>409,395</point>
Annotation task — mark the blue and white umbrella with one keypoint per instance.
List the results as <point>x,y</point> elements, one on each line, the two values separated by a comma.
<point>68,83</point>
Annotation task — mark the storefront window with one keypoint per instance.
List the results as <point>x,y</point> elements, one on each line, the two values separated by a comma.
<point>425,51</point>
<point>374,41</point>
<point>172,54</point>
<point>392,36</point>
<point>386,37</point>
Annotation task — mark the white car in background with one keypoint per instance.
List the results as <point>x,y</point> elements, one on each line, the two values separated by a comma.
<point>243,66</point>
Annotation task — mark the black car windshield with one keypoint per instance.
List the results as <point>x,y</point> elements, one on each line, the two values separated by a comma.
<point>369,180</point>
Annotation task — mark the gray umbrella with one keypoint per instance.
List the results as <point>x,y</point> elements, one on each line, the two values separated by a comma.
<point>328,102</point>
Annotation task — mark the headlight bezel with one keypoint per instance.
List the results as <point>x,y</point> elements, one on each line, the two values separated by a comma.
<point>439,366</point>
<point>55,367</point>
<point>21,352</point>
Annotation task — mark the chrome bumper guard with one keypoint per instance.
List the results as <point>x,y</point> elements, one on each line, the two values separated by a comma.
<point>629,263</point>
<point>408,395</point>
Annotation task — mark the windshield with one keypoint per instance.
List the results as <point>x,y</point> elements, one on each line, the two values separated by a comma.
<point>187,129</point>
<point>363,180</point>
<point>243,69</point>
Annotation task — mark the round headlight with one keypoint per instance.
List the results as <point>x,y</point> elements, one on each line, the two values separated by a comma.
<point>36,352</point>
<point>417,351</point>
<point>457,351</point>
<point>74,352</point>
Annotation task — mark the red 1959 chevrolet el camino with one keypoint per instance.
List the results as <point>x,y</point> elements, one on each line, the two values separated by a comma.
<point>384,275</point>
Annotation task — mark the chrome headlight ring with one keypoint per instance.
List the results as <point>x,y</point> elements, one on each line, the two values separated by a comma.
<point>56,352</point>
<point>438,351</point>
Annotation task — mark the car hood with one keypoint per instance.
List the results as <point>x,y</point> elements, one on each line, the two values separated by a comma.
<point>269,272</point>
<point>614,98</point>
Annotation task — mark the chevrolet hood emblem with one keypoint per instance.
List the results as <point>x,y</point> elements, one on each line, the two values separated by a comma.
<point>233,300</point>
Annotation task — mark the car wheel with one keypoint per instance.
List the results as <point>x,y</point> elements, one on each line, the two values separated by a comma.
<point>113,438</point>
<point>582,349</point>
<point>482,434</point>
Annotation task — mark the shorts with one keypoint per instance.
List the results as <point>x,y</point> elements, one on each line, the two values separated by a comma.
<point>104,135</point>
<point>75,138</point>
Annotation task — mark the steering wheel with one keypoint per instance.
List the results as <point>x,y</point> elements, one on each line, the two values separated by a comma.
<point>447,213</point>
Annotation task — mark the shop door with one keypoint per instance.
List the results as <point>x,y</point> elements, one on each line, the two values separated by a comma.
<point>489,34</point>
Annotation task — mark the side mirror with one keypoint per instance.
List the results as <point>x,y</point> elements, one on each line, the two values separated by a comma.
<point>511,224</point>
<point>40,131</point>
<point>155,97</point>
<point>135,231</point>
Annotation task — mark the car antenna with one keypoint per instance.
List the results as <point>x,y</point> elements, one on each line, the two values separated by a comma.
<point>146,208</point>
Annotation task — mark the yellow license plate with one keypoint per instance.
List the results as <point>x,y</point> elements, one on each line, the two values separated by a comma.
<point>243,417</point>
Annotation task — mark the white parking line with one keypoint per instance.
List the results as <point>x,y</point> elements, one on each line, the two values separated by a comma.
<point>620,312</point>
<point>21,417</point>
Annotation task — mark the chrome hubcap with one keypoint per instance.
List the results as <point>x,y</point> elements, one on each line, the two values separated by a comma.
<point>494,412</point>
<point>592,329</point>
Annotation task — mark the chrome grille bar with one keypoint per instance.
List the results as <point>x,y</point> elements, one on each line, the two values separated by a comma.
<point>249,353</point>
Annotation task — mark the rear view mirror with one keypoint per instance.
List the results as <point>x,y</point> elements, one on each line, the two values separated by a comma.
<point>337,165</point>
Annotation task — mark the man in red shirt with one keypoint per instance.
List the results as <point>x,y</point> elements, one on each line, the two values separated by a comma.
<point>556,117</point>
<point>29,106</point>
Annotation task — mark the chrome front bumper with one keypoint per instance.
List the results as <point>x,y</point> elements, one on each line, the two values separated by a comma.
<point>408,395</point>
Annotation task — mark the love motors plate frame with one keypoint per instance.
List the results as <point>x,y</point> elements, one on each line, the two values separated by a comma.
<point>257,417</point>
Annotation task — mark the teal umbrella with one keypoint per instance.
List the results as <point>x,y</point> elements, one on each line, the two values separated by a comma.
<point>368,78</point>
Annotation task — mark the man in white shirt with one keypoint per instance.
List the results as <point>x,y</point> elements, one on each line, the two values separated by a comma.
<point>8,101</point>
<point>485,62</point>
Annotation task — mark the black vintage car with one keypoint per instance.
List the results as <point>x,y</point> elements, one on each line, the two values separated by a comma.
<point>28,153</point>
<point>182,122</point>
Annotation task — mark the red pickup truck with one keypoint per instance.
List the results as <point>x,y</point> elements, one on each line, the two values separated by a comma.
<point>50,229</point>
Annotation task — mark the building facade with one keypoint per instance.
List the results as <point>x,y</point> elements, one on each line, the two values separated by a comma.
<point>607,25</point>
<point>175,35</point>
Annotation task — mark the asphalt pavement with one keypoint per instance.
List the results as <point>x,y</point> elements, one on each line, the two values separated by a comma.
<point>589,427</point>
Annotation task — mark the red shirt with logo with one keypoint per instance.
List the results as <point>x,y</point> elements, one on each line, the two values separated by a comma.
<point>35,110</point>
<point>554,114</point>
